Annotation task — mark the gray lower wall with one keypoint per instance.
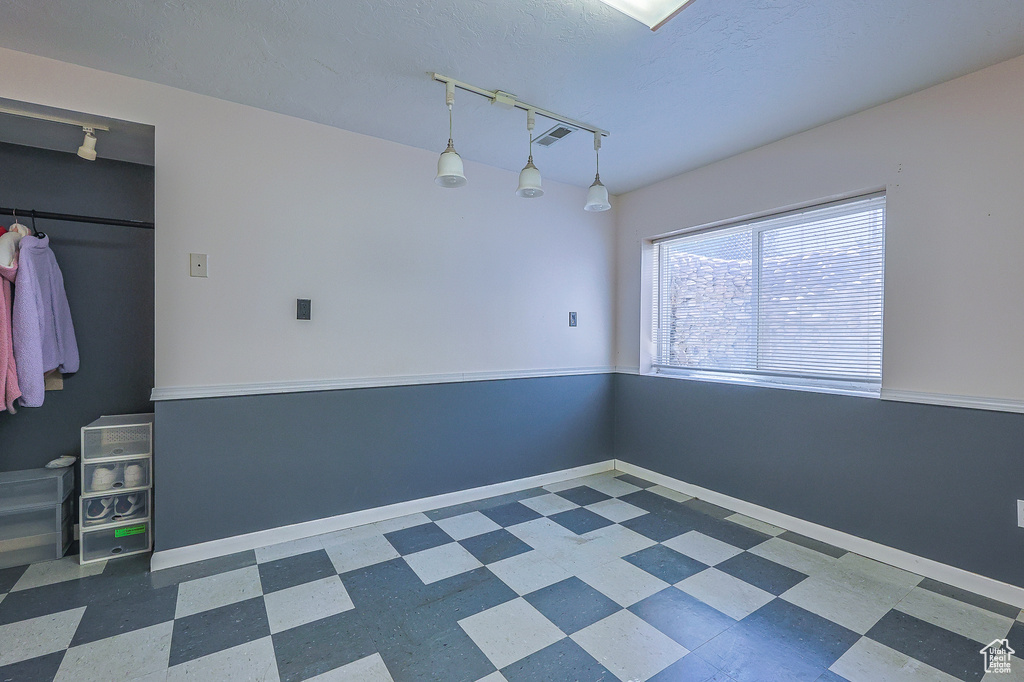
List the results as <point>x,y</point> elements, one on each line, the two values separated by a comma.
<point>227,466</point>
<point>939,482</point>
<point>108,276</point>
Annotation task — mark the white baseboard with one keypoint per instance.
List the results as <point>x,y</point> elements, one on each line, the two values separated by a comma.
<point>957,577</point>
<point>169,558</point>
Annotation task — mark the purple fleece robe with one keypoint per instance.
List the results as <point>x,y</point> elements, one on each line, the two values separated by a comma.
<point>44,338</point>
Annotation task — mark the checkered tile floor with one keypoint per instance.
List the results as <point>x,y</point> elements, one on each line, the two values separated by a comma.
<point>601,578</point>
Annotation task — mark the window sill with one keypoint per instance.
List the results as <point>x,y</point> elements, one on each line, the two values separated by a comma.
<point>788,384</point>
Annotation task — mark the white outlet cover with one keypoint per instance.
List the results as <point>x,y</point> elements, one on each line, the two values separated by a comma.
<point>197,264</point>
<point>1020,513</point>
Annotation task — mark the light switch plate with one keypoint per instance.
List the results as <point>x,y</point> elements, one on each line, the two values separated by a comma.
<point>197,264</point>
<point>1020,513</point>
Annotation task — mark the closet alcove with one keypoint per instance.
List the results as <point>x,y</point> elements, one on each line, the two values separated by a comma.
<point>107,268</point>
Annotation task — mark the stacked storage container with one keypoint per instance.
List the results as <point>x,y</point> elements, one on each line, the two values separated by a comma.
<point>35,515</point>
<point>116,503</point>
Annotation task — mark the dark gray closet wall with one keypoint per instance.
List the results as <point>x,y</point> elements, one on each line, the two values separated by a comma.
<point>108,275</point>
<point>938,482</point>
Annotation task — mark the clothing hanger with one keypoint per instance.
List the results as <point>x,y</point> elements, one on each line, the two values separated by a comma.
<point>41,235</point>
<point>16,224</point>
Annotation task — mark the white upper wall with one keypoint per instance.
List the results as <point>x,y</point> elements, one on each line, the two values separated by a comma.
<point>406,278</point>
<point>951,159</point>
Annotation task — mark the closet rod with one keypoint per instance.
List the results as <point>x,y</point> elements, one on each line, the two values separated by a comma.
<point>43,215</point>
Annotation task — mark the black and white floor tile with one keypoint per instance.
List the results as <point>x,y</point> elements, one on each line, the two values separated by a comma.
<point>607,577</point>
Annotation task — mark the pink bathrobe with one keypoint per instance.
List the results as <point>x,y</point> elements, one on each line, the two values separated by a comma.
<point>9,390</point>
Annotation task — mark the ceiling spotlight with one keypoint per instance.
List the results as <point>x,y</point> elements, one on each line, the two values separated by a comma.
<point>529,177</point>
<point>450,172</point>
<point>88,149</point>
<point>597,195</point>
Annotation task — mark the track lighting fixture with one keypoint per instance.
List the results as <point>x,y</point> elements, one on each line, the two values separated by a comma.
<point>449,166</point>
<point>89,126</point>
<point>597,195</point>
<point>88,149</point>
<point>529,177</point>
<point>450,172</point>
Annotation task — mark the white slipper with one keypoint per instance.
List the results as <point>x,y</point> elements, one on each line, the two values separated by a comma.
<point>61,462</point>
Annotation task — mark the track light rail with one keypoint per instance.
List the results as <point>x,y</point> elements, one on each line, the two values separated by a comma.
<point>494,95</point>
<point>53,119</point>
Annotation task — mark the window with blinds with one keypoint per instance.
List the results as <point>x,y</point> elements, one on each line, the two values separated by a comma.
<point>793,299</point>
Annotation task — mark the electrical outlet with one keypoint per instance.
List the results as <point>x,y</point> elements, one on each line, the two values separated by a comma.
<point>1020,513</point>
<point>197,264</point>
<point>302,308</point>
<point>572,319</point>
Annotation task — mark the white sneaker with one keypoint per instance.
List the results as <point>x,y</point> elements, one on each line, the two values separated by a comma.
<point>134,475</point>
<point>99,509</point>
<point>102,478</point>
<point>128,504</point>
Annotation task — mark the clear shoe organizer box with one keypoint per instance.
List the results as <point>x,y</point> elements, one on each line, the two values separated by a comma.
<point>115,513</point>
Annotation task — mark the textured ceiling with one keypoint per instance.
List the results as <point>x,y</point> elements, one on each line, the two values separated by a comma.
<point>722,77</point>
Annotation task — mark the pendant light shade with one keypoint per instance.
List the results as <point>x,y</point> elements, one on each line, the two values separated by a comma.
<point>88,149</point>
<point>450,172</point>
<point>529,177</point>
<point>529,181</point>
<point>597,197</point>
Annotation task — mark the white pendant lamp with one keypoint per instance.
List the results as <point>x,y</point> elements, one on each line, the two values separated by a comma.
<point>529,177</point>
<point>450,172</point>
<point>88,149</point>
<point>449,167</point>
<point>597,195</point>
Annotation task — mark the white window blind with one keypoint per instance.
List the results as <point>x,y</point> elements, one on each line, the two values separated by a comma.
<point>794,299</point>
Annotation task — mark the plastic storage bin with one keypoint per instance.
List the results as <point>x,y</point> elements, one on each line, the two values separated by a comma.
<point>105,477</point>
<point>35,515</point>
<point>31,549</point>
<point>121,436</point>
<point>35,488</point>
<point>26,524</point>
<point>116,541</point>
<point>118,508</point>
